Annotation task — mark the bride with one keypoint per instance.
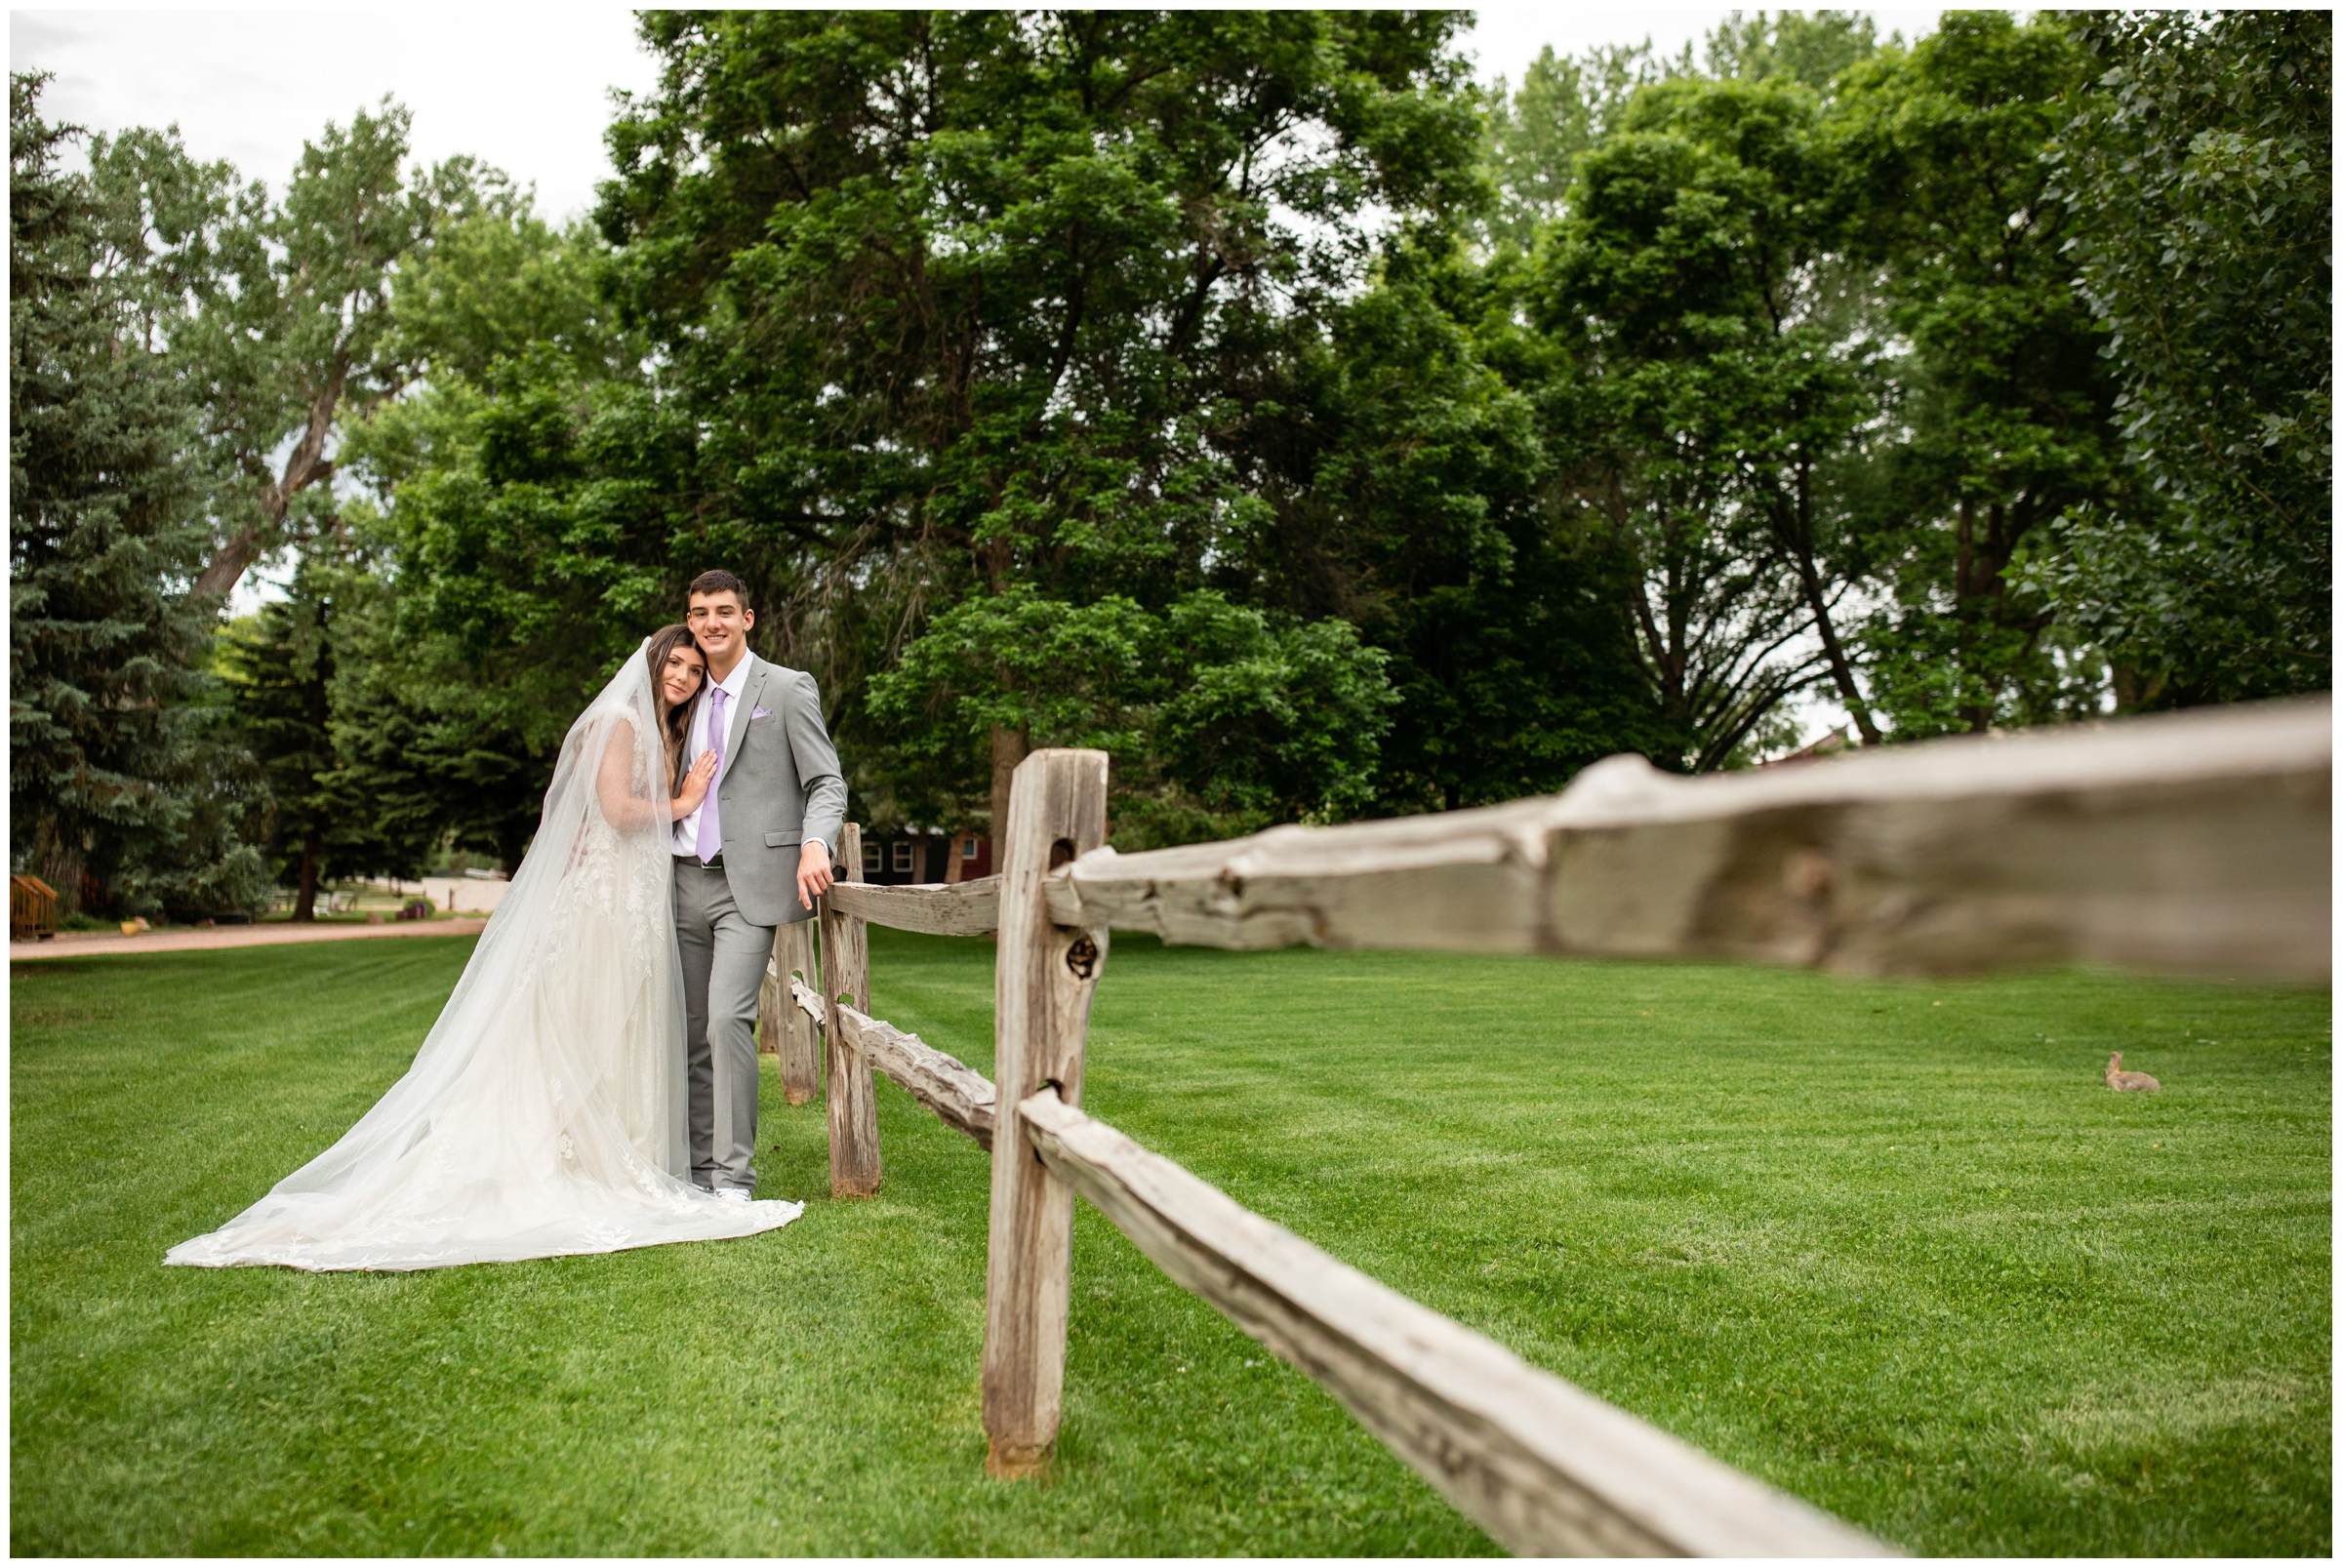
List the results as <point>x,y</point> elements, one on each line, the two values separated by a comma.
<point>544,1114</point>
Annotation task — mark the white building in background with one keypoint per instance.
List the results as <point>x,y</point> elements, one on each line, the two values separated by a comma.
<point>473,893</point>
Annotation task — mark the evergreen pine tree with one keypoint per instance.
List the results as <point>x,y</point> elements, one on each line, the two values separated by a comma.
<point>121,790</point>
<point>283,671</point>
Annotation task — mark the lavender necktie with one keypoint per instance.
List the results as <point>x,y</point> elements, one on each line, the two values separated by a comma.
<point>711,838</point>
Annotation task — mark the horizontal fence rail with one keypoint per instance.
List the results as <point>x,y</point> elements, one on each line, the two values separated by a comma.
<point>960,1097</point>
<point>2194,843</point>
<point>937,908</point>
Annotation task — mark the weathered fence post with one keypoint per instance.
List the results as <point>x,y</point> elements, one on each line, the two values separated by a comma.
<point>796,1042</point>
<point>853,1101</point>
<point>1044,979</point>
<point>769,1022</point>
<point>771,997</point>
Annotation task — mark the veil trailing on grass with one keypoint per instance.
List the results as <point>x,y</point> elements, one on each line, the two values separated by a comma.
<point>546,1113</point>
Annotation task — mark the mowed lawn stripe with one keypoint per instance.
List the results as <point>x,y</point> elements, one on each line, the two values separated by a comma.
<point>1893,1246</point>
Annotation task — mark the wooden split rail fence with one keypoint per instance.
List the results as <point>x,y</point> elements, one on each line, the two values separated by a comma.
<point>2196,844</point>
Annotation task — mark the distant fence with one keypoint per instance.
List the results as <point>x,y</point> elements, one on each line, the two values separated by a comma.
<point>2195,844</point>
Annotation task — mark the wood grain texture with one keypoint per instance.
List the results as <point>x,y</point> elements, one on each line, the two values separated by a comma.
<point>2193,843</point>
<point>853,1171</point>
<point>772,1012</point>
<point>937,908</point>
<point>1044,979</point>
<point>1543,1466</point>
<point>797,1041</point>
<point>959,1096</point>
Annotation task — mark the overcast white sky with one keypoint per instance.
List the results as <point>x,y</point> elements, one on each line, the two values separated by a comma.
<point>527,90</point>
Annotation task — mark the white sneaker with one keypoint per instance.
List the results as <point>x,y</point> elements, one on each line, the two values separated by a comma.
<point>732,1194</point>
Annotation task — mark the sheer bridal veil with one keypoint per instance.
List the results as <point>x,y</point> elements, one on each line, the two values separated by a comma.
<point>545,1112</point>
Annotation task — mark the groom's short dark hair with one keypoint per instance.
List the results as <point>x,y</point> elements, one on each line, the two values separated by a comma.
<point>720,581</point>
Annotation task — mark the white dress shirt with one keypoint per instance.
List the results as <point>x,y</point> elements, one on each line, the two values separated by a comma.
<point>695,742</point>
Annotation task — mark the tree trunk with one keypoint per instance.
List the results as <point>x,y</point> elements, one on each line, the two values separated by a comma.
<point>1792,528</point>
<point>306,465</point>
<point>228,566</point>
<point>63,869</point>
<point>312,845</point>
<point>1008,749</point>
<point>1841,669</point>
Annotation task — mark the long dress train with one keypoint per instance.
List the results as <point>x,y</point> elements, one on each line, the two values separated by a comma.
<point>544,1113</point>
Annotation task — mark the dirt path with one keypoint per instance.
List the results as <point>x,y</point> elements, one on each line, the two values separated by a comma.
<point>107,944</point>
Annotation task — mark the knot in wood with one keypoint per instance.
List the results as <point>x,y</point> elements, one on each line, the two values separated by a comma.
<point>1082,957</point>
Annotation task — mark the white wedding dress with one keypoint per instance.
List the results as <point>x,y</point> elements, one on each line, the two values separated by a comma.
<point>544,1114</point>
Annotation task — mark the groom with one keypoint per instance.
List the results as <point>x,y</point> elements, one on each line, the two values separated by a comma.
<point>755,856</point>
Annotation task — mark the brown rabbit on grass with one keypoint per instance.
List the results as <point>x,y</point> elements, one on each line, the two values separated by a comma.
<point>2116,1078</point>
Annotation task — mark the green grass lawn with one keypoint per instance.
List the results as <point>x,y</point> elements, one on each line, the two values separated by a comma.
<point>1892,1247</point>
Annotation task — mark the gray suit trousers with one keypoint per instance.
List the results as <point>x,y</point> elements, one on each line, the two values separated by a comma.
<point>724,955</point>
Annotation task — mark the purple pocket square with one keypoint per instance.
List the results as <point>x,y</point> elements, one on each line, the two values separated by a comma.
<point>762,713</point>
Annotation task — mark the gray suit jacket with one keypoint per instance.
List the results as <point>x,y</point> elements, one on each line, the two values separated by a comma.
<point>779,785</point>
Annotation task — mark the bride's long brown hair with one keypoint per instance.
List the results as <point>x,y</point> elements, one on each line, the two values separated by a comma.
<point>674,719</point>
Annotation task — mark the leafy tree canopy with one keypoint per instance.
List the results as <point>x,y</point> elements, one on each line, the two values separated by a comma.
<point>2003,403</point>
<point>2199,173</point>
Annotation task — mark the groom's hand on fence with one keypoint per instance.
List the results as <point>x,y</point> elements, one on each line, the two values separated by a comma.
<point>813,873</point>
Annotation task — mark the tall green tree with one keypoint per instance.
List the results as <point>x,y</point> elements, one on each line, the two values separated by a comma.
<point>1359,450</point>
<point>278,315</point>
<point>277,309</point>
<point>489,594</point>
<point>1405,484</point>
<point>121,789</point>
<point>1720,381</point>
<point>289,669</point>
<point>525,550</point>
<point>2003,405</point>
<point>2198,173</point>
<point>281,666</point>
<point>1705,479</point>
<point>955,297</point>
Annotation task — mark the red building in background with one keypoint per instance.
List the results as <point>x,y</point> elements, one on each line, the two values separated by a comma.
<point>899,853</point>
